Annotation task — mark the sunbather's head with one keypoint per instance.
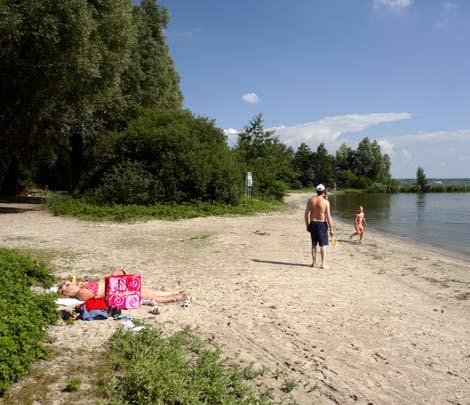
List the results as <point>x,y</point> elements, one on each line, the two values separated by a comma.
<point>68,289</point>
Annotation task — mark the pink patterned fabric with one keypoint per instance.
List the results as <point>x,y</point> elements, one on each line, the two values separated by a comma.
<point>123,291</point>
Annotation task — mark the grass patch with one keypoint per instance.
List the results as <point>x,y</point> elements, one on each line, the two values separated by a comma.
<point>41,255</point>
<point>73,385</point>
<point>83,209</point>
<point>33,389</point>
<point>180,369</point>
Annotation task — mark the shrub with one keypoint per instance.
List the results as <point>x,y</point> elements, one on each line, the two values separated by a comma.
<point>377,188</point>
<point>86,209</point>
<point>181,369</point>
<point>24,314</point>
<point>181,158</point>
<point>126,183</point>
<point>73,385</point>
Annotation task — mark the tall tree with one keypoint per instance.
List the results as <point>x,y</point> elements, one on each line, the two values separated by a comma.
<point>370,163</point>
<point>61,64</point>
<point>303,165</point>
<point>344,161</point>
<point>261,152</point>
<point>151,79</point>
<point>421,180</point>
<point>323,166</point>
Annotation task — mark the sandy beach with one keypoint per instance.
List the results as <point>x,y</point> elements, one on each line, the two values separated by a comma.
<point>388,323</point>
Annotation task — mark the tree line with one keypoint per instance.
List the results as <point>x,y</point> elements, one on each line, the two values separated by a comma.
<point>90,102</point>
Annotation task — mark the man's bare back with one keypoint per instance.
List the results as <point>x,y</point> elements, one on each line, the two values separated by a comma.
<point>317,208</point>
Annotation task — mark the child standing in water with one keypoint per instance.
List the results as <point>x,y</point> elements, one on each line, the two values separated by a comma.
<point>360,218</point>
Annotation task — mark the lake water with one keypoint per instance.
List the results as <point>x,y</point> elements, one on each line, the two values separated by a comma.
<point>441,220</point>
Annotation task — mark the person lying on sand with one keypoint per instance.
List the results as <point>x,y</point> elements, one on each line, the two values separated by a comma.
<point>84,290</point>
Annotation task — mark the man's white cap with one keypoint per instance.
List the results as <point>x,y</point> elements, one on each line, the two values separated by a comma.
<point>320,187</point>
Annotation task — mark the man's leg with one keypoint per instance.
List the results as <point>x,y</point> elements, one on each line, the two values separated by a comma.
<point>323,257</point>
<point>314,254</point>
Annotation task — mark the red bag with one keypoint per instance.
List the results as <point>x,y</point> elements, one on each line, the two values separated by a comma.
<point>123,291</point>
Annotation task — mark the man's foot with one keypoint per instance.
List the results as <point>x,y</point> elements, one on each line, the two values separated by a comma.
<point>312,265</point>
<point>324,266</point>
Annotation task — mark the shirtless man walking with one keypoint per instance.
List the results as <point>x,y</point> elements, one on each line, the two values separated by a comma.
<point>318,221</point>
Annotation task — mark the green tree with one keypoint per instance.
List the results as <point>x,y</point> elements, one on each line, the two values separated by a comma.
<point>168,156</point>
<point>303,165</point>
<point>344,163</point>
<point>261,152</point>
<point>323,166</point>
<point>60,72</point>
<point>151,79</point>
<point>421,180</point>
<point>369,162</point>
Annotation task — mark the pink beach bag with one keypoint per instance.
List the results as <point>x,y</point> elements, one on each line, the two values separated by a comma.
<point>123,291</point>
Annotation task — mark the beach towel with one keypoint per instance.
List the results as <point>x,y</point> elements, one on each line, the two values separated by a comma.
<point>123,291</point>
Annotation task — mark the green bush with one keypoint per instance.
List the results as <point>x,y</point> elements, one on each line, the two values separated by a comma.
<point>24,314</point>
<point>377,188</point>
<point>181,158</point>
<point>126,183</point>
<point>86,209</point>
<point>148,368</point>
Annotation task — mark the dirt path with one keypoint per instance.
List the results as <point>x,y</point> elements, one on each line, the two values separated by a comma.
<point>387,324</point>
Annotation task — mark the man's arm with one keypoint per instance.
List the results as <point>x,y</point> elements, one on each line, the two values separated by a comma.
<point>328,218</point>
<point>307,214</point>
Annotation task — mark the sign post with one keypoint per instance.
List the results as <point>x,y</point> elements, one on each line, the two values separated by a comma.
<point>249,184</point>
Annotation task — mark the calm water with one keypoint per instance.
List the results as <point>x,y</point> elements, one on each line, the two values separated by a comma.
<point>438,219</point>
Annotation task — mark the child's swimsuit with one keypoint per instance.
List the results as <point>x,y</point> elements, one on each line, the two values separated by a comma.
<point>358,223</point>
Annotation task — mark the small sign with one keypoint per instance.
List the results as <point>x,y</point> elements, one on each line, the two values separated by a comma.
<point>249,179</point>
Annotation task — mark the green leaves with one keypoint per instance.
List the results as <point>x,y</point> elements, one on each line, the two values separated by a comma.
<point>25,314</point>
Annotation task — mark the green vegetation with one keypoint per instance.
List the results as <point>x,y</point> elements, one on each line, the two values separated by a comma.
<point>82,208</point>
<point>166,156</point>
<point>90,103</point>
<point>421,180</point>
<point>181,369</point>
<point>435,188</point>
<point>25,314</point>
<point>260,152</point>
<point>289,385</point>
<point>73,385</point>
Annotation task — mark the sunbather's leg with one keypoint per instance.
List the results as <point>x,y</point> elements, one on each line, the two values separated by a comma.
<point>162,296</point>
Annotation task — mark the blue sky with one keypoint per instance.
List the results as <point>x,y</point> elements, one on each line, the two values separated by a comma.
<point>334,71</point>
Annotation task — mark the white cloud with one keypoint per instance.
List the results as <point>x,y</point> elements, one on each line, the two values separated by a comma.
<point>429,150</point>
<point>386,146</point>
<point>448,10</point>
<point>459,135</point>
<point>251,98</point>
<point>406,155</point>
<point>329,129</point>
<point>230,132</point>
<point>394,5</point>
<point>231,135</point>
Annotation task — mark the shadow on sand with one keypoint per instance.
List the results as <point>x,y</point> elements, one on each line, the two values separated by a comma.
<point>281,263</point>
<point>14,210</point>
<point>351,242</point>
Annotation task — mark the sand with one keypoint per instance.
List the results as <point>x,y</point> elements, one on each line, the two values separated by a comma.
<point>388,323</point>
